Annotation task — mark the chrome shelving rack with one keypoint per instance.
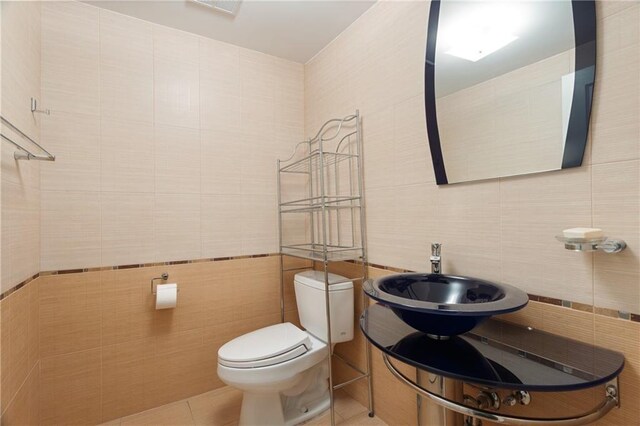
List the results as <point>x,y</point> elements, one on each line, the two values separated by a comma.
<point>325,176</point>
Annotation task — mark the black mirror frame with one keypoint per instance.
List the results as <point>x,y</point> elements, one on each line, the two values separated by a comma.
<point>584,28</point>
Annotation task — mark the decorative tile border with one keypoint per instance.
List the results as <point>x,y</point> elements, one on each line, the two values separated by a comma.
<point>375,265</point>
<point>133,266</point>
<point>18,286</point>
<point>534,297</point>
<point>583,307</point>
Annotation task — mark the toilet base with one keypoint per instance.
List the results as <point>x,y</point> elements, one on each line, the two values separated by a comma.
<point>313,409</point>
<point>261,409</point>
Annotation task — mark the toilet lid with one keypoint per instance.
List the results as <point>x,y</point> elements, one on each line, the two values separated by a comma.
<point>266,346</point>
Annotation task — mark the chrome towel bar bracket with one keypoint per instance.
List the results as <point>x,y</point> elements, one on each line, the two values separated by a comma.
<point>23,153</point>
<point>611,400</point>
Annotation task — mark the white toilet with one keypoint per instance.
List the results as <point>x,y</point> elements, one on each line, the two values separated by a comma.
<point>282,370</point>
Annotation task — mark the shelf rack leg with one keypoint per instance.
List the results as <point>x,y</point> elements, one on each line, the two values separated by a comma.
<point>367,352</point>
<point>325,265</point>
<point>329,343</point>
<point>278,185</point>
<point>363,244</point>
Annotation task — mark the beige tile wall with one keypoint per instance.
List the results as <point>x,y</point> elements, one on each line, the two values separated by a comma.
<point>20,356</point>
<point>121,191</point>
<point>20,70</point>
<point>20,215</point>
<point>166,142</point>
<point>105,352</point>
<point>501,229</point>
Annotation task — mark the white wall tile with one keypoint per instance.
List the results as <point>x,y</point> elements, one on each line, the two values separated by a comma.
<point>615,128</point>
<point>177,227</point>
<point>533,210</point>
<point>178,164</point>
<point>221,229</point>
<point>20,183</point>
<point>126,64</point>
<point>176,93</point>
<point>412,158</point>
<point>127,156</point>
<point>178,46</point>
<point>221,161</point>
<point>259,216</point>
<point>20,233</point>
<point>75,140</point>
<point>177,160</point>
<point>70,57</point>
<point>220,86</point>
<point>376,65</point>
<point>616,210</point>
<point>127,228</point>
<point>71,234</point>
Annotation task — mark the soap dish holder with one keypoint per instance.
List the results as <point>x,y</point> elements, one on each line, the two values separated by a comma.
<point>605,244</point>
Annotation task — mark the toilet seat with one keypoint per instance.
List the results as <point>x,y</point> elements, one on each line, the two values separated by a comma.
<point>265,347</point>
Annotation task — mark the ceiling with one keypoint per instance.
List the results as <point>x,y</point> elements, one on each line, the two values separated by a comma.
<point>294,30</point>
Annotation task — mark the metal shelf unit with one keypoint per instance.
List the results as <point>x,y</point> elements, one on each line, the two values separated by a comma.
<point>320,192</point>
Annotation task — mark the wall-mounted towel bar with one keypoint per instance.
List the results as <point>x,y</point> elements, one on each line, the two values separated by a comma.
<point>23,153</point>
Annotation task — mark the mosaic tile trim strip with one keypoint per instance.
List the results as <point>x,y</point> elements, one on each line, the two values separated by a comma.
<point>534,297</point>
<point>18,286</point>
<point>134,266</point>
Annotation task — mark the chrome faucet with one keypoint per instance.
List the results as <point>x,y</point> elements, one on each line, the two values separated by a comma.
<point>436,258</point>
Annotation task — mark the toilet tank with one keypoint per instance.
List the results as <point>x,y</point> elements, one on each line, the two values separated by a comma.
<point>310,298</point>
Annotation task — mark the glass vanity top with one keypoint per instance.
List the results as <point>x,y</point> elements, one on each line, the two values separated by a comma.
<point>495,353</point>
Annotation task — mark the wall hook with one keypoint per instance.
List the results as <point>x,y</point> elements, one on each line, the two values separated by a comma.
<point>34,108</point>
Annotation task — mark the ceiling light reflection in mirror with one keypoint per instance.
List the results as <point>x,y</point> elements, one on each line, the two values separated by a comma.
<point>477,32</point>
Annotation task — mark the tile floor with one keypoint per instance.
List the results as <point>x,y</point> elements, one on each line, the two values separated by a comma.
<point>221,407</point>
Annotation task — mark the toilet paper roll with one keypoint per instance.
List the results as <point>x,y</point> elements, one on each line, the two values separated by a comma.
<point>166,296</point>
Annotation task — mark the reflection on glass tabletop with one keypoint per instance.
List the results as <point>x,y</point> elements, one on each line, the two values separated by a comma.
<point>496,353</point>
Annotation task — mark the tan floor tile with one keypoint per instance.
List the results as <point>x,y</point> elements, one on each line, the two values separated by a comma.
<point>363,419</point>
<point>346,406</point>
<point>221,407</point>
<point>177,414</point>
<point>324,420</point>
<point>218,407</point>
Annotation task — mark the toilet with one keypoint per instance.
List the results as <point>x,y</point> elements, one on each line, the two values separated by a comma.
<point>281,369</point>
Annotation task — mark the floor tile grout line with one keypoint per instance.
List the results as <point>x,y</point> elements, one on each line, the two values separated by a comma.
<point>340,418</point>
<point>216,390</point>
<point>193,419</point>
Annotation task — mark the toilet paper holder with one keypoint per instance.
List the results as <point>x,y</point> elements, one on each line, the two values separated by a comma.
<point>162,277</point>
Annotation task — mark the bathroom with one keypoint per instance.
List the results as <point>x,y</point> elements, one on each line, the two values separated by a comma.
<point>170,122</point>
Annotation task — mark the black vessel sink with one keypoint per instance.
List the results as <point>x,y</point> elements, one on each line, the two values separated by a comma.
<point>444,305</point>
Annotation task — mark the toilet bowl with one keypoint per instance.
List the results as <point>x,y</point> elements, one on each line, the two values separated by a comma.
<point>292,358</point>
<point>283,370</point>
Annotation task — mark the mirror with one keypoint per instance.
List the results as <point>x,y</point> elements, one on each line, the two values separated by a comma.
<point>508,86</point>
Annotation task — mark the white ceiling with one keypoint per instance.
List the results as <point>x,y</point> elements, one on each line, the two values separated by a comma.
<point>294,30</point>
